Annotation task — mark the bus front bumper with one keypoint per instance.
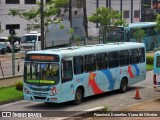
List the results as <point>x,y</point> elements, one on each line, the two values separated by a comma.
<point>50,99</point>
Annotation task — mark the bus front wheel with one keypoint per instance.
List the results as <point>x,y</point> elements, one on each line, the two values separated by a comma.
<point>124,85</point>
<point>78,96</point>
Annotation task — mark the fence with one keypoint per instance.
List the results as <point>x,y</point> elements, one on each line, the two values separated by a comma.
<point>6,60</point>
<point>6,67</point>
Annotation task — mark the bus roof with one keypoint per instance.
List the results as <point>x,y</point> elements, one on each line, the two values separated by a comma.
<point>89,49</point>
<point>140,24</point>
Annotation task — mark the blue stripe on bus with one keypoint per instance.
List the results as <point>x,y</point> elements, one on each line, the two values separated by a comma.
<point>110,78</point>
<point>137,70</point>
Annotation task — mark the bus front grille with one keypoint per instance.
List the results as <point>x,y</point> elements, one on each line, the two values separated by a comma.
<point>40,98</point>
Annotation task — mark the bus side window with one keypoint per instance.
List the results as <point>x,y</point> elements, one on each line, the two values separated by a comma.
<point>134,56</point>
<point>127,37</point>
<point>101,61</point>
<point>78,65</point>
<point>113,59</point>
<point>141,55</point>
<point>67,73</point>
<point>123,58</point>
<point>90,63</point>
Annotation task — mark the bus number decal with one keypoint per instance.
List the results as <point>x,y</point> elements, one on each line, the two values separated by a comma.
<point>93,84</point>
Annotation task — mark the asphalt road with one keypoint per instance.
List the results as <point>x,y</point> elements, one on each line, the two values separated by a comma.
<point>115,101</point>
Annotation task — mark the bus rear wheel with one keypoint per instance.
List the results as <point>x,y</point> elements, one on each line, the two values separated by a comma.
<point>124,85</point>
<point>78,96</point>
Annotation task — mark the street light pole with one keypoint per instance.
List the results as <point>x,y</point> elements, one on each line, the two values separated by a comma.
<point>42,26</point>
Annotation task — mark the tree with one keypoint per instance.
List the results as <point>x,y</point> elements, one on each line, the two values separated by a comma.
<point>157,28</point>
<point>51,13</point>
<point>138,34</point>
<point>108,19</point>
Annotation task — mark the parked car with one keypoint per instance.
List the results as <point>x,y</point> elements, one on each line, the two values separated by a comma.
<point>8,44</point>
<point>3,49</point>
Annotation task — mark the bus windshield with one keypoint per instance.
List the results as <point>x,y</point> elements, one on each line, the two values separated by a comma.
<point>29,39</point>
<point>41,73</point>
<point>116,35</point>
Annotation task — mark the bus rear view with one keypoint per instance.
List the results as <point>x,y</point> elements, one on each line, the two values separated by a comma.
<point>156,71</point>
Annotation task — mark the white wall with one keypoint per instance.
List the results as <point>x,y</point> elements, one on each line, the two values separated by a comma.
<point>91,7</point>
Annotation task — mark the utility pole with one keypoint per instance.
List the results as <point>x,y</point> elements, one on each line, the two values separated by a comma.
<point>85,22</point>
<point>42,26</point>
<point>70,12</point>
<point>131,11</point>
<point>110,4</point>
<point>106,3</point>
<point>121,3</point>
<point>97,4</point>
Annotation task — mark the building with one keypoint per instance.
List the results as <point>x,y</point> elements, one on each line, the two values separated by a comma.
<point>130,14</point>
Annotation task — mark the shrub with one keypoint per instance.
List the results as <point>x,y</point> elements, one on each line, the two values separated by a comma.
<point>19,85</point>
<point>149,59</point>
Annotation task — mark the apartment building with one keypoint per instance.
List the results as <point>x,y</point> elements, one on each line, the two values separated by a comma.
<point>20,24</point>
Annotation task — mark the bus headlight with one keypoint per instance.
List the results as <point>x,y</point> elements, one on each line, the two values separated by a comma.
<point>54,91</point>
<point>26,91</point>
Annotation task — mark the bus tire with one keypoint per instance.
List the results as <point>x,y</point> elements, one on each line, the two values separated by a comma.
<point>78,96</point>
<point>152,46</point>
<point>123,86</point>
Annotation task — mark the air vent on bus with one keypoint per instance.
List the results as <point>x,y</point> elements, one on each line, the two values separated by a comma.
<point>118,43</point>
<point>72,48</point>
<point>88,45</point>
<point>99,44</point>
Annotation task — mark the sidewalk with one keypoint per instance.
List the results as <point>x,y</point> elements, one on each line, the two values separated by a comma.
<point>149,107</point>
<point>9,81</point>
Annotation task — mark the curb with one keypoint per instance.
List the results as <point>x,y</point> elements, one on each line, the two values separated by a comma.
<point>142,102</point>
<point>85,113</point>
<point>11,101</point>
<point>9,77</point>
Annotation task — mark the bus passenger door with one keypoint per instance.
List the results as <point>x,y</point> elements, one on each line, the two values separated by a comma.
<point>67,86</point>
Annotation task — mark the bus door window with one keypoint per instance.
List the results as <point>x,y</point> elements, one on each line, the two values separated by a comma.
<point>78,65</point>
<point>67,73</point>
<point>158,62</point>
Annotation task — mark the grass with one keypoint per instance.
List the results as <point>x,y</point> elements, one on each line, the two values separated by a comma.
<point>10,93</point>
<point>149,67</point>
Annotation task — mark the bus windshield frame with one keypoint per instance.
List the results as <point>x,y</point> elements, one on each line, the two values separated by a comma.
<point>29,39</point>
<point>41,73</point>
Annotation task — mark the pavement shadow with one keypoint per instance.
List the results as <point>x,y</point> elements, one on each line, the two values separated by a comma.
<point>60,106</point>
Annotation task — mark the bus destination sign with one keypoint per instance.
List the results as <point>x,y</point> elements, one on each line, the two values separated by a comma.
<point>38,57</point>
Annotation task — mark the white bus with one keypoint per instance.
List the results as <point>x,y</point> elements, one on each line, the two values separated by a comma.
<point>56,36</point>
<point>72,73</point>
<point>156,71</point>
